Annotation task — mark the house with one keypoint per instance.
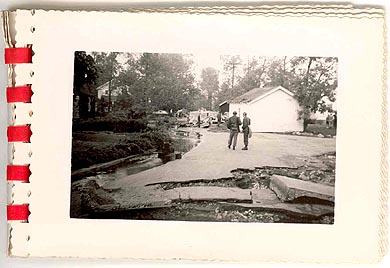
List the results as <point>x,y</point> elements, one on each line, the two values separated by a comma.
<point>103,91</point>
<point>271,109</point>
<point>224,107</point>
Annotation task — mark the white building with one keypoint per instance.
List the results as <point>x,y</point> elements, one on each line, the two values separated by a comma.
<point>103,91</point>
<point>271,109</point>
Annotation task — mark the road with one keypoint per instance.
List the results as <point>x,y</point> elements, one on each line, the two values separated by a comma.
<point>212,159</point>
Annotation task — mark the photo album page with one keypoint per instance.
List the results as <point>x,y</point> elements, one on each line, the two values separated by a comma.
<point>241,133</point>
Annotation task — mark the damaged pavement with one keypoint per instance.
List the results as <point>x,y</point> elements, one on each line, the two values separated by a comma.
<point>270,185</point>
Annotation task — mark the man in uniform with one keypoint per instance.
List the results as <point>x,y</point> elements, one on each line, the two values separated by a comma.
<point>246,121</point>
<point>233,124</point>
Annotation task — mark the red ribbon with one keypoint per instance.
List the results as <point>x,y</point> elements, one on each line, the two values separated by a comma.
<point>17,212</point>
<point>18,55</point>
<point>19,94</point>
<point>19,133</point>
<point>18,173</point>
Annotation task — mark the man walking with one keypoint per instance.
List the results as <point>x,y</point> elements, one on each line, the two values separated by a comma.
<point>233,124</point>
<point>246,122</point>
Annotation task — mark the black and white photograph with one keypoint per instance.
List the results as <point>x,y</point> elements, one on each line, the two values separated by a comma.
<point>204,137</point>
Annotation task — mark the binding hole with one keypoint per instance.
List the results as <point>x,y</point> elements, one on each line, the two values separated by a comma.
<point>31,73</point>
<point>27,238</point>
<point>28,193</point>
<point>30,113</point>
<point>32,29</point>
<point>13,152</point>
<point>32,12</point>
<point>29,153</point>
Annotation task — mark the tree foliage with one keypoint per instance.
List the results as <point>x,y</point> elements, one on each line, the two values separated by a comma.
<point>147,81</point>
<point>231,64</point>
<point>166,81</point>
<point>315,79</point>
<point>254,73</point>
<point>107,65</point>
<point>85,70</point>
<point>152,81</point>
<point>209,84</point>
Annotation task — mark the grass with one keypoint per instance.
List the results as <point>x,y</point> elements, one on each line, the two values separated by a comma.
<point>320,129</point>
<point>94,147</point>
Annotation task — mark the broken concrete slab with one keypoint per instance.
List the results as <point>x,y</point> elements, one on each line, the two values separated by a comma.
<point>134,197</point>
<point>264,196</point>
<point>288,189</point>
<point>310,210</point>
<point>212,193</point>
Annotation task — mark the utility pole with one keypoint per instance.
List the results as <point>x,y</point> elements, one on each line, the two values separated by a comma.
<point>234,62</point>
<point>233,66</point>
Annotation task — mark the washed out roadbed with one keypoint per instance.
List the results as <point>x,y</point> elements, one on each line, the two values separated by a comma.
<point>210,211</point>
<point>318,169</point>
<point>257,201</point>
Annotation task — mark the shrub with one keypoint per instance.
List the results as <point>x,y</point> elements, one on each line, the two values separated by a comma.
<point>157,138</point>
<point>110,124</point>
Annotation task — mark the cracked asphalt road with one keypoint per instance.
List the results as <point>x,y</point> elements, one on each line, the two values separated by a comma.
<point>211,159</point>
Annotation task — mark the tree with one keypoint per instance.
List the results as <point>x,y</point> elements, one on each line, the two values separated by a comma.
<point>198,101</point>
<point>84,85</point>
<point>209,84</point>
<point>255,71</point>
<point>166,81</point>
<point>226,93</point>
<point>108,68</point>
<point>230,65</point>
<point>126,83</point>
<point>85,70</point>
<point>314,79</point>
<point>278,73</point>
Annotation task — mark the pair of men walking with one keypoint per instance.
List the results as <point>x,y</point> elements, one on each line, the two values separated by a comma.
<point>233,125</point>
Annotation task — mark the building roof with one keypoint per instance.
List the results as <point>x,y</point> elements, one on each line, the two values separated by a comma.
<point>257,93</point>
<point>222,103</point>
<point>102,86</point>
